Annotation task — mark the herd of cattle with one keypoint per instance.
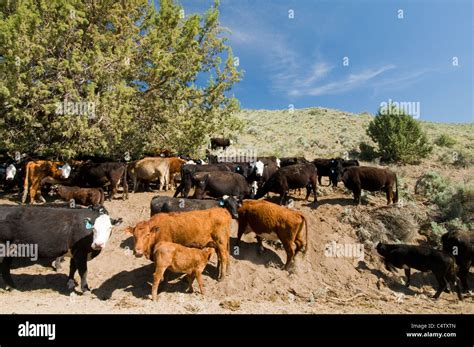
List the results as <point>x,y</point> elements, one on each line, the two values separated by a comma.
<point>183,232</point>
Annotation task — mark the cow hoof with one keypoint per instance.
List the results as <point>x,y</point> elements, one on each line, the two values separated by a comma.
<point>71,284</point>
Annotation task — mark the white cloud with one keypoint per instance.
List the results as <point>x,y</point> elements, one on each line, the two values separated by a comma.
<point>352,81</point>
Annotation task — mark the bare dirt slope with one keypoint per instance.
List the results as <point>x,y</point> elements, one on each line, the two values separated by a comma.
<point>256,284</point>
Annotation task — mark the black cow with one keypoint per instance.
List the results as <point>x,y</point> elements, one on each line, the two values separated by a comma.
<point>187,172</point>
<point>424,259</point>
<point>461,245</point>
<point>55,232</point>
<point>165,204</point>
<point>219,142</point>
<point>372,179</point>
<point>219,183</point>
<point>97,175</point>
<point>12,173</point>
<point>291,177</point>
<point>287,161</point>
<point>330,168</point>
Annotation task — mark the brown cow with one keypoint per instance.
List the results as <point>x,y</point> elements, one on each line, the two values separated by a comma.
<point>36,171</point>
<point>268,220</point>
<point>199,229</point>
<point>150,169</point>
<point>177,258</point>
<point>372,179</point>
<point>82,196</point>
<point>175,169</point>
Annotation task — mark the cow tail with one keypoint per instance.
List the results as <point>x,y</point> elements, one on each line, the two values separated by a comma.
<point>395,199</point>
<point>124,182</point>
<point>25,184</point>
<point>306,231</point>
<point>102,196</point>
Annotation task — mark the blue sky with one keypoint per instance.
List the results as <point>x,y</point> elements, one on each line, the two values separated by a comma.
<point>299,61</point>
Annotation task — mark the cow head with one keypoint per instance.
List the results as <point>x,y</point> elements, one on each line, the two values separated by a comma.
<point>65,170</point>
<point>142,238</point>
<point>200,182</point>
<point>253,189</point>
<point>258,167</point>
<point>101,228</point>
<point>10,172</point>
<point>231,204</point>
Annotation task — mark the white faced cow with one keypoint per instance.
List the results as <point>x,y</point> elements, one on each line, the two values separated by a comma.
<point>55,232</point>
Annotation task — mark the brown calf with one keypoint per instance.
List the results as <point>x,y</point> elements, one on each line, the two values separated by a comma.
<point>177,258</point>
<point>82,196</point>
<point>198,229</point>
<point>268,220</point>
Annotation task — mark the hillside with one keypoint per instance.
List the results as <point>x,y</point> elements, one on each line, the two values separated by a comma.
<point>322,132</point>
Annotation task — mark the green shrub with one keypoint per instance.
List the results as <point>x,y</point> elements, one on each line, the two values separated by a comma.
<point>367,152</point>
<point>399,137</point>
<point>453,201</point>
<point>445,141</point>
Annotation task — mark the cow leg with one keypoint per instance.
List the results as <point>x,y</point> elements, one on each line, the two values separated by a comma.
<point>388,193</point>
<point>463,273</point>
<point>357,192</point>
<point>81,264</point>
<point>125,190</point>
<point>282,197</point>
<point>134,182</point>
<point>407,274</point>
<point>223,260</point>
<point>199,280</point>
<point>308,192</point>
<point>157,276</point>
<point>290,249</point>
<point>453,284</point>
<point>71,283</point>
<point>319,179</point>
<point>261,249</point>
<point>241,231</point>
<point>442,284</point>
<point>190,279</point>
<point>7,277</point>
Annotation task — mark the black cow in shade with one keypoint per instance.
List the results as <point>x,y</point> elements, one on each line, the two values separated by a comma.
<point>82,233</point>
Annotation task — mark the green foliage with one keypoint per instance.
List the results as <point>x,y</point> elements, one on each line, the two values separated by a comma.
<point>445,141</point>
<point>453,200</point>
<point>367,152</point>
<point>136,65</point>
<point>399,137</point>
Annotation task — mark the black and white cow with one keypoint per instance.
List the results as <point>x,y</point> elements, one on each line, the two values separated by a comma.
<point>80,233</point>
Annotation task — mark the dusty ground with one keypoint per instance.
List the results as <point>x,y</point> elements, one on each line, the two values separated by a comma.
<point>256,284</point>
